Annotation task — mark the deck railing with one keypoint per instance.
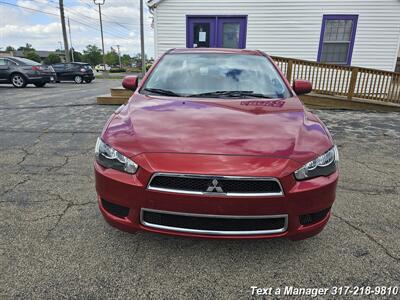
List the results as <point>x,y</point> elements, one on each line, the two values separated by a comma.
<point>351,82</point>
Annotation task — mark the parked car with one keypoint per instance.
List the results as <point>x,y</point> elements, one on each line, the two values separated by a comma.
<point>233,153</point>
<point>76,71</point>
<point>102,67</point>
<point>22,71</point>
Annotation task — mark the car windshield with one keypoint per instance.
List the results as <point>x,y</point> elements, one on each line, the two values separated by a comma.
<point>26,61</point>
<point>215,75</point>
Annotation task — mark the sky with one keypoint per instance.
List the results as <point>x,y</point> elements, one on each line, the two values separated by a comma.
<point>121,24</point>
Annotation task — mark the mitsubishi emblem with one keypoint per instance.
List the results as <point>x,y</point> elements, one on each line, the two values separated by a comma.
<point>214,187</point>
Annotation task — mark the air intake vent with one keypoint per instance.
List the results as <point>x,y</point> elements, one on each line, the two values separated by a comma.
<point>214,224</point>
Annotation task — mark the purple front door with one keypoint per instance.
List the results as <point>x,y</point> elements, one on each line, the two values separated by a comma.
<point>216,31</point>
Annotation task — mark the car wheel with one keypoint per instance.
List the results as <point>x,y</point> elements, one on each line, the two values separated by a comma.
<point>40,84</point>
<point>78,79</point>
<point>88,80</point>
<point>18,80</point>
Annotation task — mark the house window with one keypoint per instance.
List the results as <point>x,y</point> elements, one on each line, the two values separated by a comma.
<point>337,39</point>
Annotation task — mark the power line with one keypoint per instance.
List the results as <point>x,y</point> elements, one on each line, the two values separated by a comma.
<point>90,7</point>
<point>53,14</point>
<point>121,24</point>
<point>80,15</point>
<point>84,23</point>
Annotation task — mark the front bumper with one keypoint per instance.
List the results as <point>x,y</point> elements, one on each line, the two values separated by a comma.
<point>299,199</point>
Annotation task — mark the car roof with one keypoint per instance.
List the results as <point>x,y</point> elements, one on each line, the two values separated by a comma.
<point>215,50</point>
<point>10,57</point>
<point>22,60</point>
<point>76,63</point>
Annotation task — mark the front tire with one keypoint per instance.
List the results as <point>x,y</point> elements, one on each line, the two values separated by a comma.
<point>78,79</point>
<point>40,84</point>
<point>18,80</point>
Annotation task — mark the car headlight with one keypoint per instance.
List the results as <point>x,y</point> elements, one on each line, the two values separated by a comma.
<point>110,158</point>
<point>323,165</point>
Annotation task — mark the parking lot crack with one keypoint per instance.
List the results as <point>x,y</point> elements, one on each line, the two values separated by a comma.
<point>25,149</point>
<point>62,214</point>
<point>56,168</point>
<point>25,180</point>
<point>369,236</point>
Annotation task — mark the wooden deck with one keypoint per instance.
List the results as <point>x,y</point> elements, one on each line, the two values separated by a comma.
<point>347,81</point>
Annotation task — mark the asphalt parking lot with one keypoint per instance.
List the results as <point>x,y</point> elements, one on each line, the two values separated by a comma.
<point>56,245</point>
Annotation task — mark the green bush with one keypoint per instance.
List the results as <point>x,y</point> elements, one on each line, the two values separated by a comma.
<point>52,59</point>
<point>32,55</point>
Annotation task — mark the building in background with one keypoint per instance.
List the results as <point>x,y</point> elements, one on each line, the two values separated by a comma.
<point>363,33</point>
<point>43,54</point>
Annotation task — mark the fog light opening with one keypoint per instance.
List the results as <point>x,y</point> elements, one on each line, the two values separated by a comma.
<point>115,209</point>
<point>313,218</point>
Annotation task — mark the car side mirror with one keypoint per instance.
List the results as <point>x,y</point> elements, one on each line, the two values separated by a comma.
<point>302,87</point>
<point>130,82</point>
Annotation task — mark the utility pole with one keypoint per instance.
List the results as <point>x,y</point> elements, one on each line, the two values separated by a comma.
<point>70,41</point>
<point>100,3</point>
<point>142,39</point>
<point>64,30</point>
<point>119,57</point>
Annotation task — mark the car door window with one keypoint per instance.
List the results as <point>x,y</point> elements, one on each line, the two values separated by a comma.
<point>10,63</point>
<point>3,69</point>
<point>69,67</point>
<point>58,67</point>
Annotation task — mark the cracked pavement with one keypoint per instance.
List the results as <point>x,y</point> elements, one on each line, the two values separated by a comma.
<point>55,244</point>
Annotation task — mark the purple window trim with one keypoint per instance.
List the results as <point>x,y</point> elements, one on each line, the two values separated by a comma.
<point>189,31</point>
<point>242,30</point>
<point>354,18</point>
<point>204,19</point>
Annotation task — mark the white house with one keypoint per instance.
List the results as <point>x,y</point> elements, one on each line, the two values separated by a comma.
<point>364,33</point>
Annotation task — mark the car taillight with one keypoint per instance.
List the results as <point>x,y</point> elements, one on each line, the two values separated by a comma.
<point>37,68</point>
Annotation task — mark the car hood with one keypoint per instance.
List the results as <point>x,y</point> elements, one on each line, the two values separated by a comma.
<point>273,128</point>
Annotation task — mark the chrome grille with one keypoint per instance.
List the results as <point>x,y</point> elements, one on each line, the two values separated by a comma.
<point>215,185</point>
<point>214,224</point>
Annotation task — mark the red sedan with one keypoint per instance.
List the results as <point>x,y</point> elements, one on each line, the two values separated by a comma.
<point>215,143</point>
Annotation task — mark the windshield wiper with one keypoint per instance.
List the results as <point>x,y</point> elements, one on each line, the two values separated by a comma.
<point>231,94</point>
<point>162,92</point>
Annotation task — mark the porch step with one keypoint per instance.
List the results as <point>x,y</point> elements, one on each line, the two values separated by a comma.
<point>121,92</point>
<point>317,101</point>
<point>112,100</point>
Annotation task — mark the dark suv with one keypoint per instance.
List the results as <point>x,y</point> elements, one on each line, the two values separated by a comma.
<point>76,71</point>
<point>22,71</point>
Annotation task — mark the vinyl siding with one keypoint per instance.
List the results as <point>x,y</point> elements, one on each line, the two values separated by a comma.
<point>291,28</point>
